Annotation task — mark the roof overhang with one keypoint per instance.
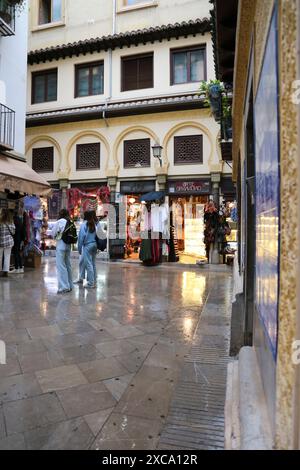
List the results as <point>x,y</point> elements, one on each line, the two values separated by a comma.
<point>113,109</point>
<point>224,17</point>
<point>17,176</point>
<point>128,39</point>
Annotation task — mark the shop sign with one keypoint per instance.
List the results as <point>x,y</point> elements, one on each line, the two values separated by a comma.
<point>189,187</point>
<point>137,187</point>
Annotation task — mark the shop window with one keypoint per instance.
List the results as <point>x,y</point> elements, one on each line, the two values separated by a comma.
<point>137,153</point>
<point>89,79</point>
<point>43,159</point>
<point>50,11</point>
<point>44,86</point>
<point>88,156</point>
<point>188,65</point>
<point>188,149</point>
<point>137,72</point>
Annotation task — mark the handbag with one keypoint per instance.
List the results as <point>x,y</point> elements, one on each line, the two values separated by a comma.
<point>101,243</point>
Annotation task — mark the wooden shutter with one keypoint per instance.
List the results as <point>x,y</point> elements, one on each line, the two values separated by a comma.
<point>137,72</point>
<point>136,152</point>
<point>188,149</point>
<point>43,159</point>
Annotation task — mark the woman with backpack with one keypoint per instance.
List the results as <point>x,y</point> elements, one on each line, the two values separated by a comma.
<point>7,231</point>
<point>87,247</point>
<point>60,233</point>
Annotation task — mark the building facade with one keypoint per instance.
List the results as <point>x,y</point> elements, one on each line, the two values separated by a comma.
<point>262,59</point>
<point>15,175</point>
<point>107,81</point>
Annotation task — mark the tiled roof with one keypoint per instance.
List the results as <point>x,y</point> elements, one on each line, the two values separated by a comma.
<point>140,36</point>
<point>114,109</point>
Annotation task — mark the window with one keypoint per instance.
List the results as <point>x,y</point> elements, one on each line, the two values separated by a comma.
<point>188,149</point>
<point>188,65</point>
<point>50,11</point>
<point>137,72</point>
<point>42,159</point>
<point>89,79</point>
<point>44,86</point>
<point>137,153</point>
<point>88,156</point>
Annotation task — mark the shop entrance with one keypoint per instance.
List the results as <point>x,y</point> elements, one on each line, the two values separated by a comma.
<point>187,218</point>
<point>134,210</point>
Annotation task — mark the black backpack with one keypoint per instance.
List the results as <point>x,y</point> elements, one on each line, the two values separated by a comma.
<point>69,235</point>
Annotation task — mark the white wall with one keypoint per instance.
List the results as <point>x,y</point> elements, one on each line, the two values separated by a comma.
<point>84,19</point>
<point>162,85</point>
<point>13,75</point>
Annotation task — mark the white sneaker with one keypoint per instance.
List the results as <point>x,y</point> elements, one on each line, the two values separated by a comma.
<point>20,271</point>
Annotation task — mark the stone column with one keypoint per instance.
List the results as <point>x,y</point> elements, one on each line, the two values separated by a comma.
<point>64,184</point>
<point>215,179</point>
<point>161,182</point>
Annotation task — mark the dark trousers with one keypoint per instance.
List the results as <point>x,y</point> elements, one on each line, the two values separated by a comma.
<point>17,255</point>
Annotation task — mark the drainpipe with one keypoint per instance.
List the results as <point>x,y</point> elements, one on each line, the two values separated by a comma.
<point>110,66</point>
<point>114,30</point>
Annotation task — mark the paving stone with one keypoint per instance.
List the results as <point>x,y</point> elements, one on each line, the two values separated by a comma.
<point>124,432</point>
<point>68,435</point>
<point>102,369</point>
<point>118,385</point>
<point>23,415</point>
<point>116,348</point>
<point>121,332</point>
<point>18,387</point>
<point>31,347</point>
<point>14,442</point>
<point>40,361</point>
<point>150,395</point>
<point>44,331</point>
<point>12,367</point>
<point>2,424</point>
<point>78,354</point>
<point>134,360</point>
<point>60,378</point>
<point>85,399</point>
<point>97,420</point>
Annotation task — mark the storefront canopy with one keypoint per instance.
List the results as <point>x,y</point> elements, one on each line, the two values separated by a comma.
<point>16,175</point>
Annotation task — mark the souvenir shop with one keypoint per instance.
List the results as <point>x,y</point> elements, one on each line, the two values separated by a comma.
<point>78,199</point>
<point>187,200</point>
<point>131,193</point>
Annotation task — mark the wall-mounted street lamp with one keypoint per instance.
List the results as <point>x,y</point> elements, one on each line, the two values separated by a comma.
<point>157,151</point>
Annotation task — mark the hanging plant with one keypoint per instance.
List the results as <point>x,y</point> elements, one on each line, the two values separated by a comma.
<point>214,90</point>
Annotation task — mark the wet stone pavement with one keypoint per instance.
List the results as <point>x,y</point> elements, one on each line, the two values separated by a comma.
<point>124,366</point>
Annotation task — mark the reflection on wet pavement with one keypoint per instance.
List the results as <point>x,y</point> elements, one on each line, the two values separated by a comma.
<point>95,368</point>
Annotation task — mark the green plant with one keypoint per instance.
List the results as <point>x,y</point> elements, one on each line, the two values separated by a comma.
<point>205,87</point>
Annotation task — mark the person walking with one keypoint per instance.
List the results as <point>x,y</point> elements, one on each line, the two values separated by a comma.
<point>7,231</point>
<point>82,270</point>
<point>87,247</point>
<point>63,254</point>
<point>19,239</point>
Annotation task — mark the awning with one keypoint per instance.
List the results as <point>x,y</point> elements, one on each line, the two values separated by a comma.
<point>16,175</point>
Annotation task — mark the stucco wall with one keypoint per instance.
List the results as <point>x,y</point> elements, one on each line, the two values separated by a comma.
<point>161,65</point>
<point>93,18</point>
<point>287,391</point>
<point>162,127</point>
<point>13,68</point>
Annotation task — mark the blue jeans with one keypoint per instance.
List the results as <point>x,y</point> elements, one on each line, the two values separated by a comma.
<point>63,266</point>
<point>81,276</point>
<point>89,253</point>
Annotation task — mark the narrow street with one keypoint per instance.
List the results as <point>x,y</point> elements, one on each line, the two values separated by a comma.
<point>138,363</point>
